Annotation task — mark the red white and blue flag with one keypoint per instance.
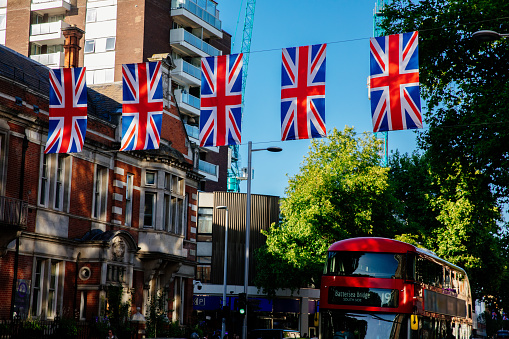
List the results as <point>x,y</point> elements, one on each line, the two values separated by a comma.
<point>67,110</point>
<point>142,108</point>
<point>394,82</point>
<point>303,92</point>
<point>221,100</point>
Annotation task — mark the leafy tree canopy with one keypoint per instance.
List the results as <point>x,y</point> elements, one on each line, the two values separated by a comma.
<point>340,192</point>
<point>464,82</point>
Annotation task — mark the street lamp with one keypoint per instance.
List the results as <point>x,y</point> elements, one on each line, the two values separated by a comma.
<point>248,221</point>
<point>225,270</point>
<point>486,35</point>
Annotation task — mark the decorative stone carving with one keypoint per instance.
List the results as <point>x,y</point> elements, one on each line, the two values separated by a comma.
<point>118,249</point>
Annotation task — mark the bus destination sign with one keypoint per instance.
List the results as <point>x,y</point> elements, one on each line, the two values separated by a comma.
<point>376,297</point>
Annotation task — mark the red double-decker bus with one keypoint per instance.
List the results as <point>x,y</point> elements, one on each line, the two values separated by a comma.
<point>377,288</point>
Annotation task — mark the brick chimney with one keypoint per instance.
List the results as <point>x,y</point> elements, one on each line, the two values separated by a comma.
<point>72,47</point>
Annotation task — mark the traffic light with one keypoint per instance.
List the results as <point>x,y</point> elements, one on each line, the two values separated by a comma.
<point>242,303</point>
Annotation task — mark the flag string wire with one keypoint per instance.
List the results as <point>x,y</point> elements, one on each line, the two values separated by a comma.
<point>417,131</point>
<point>349,40</point>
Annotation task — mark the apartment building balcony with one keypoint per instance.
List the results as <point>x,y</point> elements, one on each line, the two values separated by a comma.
<point>49,33</point>
<point>50,6</point>
<point>190,45</point>
<point>13,220</point>
<point>186,73</point>
<point>188,103</point>
<point>188,14</point>
<point>53,60</point>
<point>210,171</point>
<point>193,132</point>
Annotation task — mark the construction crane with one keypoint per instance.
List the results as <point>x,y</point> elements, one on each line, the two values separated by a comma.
<point>377,31</point>
<point>234,170</point>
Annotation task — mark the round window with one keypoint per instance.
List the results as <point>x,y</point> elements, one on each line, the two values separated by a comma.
<point>85,273</point>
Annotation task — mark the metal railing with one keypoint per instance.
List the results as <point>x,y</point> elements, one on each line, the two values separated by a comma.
<point>192,131</point>
<point>186,67</point>
<point>48,28</point>
<point>51,59</point>
<point>207,167</point>
<point>180,34</point>
<point>191,100</point>
<point>41,83</point>
<point>13,211</point>
<point>60,328</point>
<point>201,13</point>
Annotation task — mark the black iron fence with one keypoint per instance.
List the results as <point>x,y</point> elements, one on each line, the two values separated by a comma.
<point>63,329</point>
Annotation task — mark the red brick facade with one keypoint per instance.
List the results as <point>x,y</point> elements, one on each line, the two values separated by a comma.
<point>82,239</point>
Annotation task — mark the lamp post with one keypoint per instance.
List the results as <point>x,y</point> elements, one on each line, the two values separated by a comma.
<point>225,270</point>
<point>248,222</point>
<point>486,35</point>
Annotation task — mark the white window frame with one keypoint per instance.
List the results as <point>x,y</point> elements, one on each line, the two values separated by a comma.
<point>91,15</point>
<point>174,216</point>
<point>90,42</point>
<point>129,199</point>
<point>114,42</point>
<point>38,284</point>
<point>153,215</point>
<point>44,181</point>
<point>41,305</point>
<point>100,193</point>
<point>59,182</point>
<point>51,305</point>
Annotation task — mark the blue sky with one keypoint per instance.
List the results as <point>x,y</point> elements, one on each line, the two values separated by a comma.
<point>346,27</point>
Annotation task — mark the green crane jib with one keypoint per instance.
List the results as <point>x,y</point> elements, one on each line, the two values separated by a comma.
<point>233,172</point>
<point>377,31</point>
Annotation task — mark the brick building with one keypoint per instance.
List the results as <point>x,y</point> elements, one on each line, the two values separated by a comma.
<point>120,32</point>
<point>77,223</point>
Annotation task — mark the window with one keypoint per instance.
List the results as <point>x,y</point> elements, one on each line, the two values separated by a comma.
<point>48,282</point>
<point>83,305</point>
<point>129,199</point>
<point>37,19</point>
<point>35,49</point>
<point>100,190</point>
<point>89,46</point>
<point>43,194</point>
<point>203,269</point>
<point>150,178</point>
<point>110,44</point>
<point>59,191</point>
<point>149,212</point>
<point>91,15</point>
<point>56,18</point>
<point>52,290</point>
<point>37,293</point>
<point>2,21</point>
<point>204,224</point>
<point>174,212</point>
<point>54,181</point>
<point>55,48</point>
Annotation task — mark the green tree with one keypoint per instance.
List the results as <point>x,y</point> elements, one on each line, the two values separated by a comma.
<point>464,82</point>
<point>340,192</point>
<point>456,216</point>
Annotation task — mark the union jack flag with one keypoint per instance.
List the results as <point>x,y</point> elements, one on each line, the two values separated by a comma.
<point>142,108</point>
<point>67,110</point>
<point>221,100</point>
<point>394,82</point>
<point>303,92</point>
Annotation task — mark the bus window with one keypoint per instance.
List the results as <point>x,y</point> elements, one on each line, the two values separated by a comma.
<point>377,265</point>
